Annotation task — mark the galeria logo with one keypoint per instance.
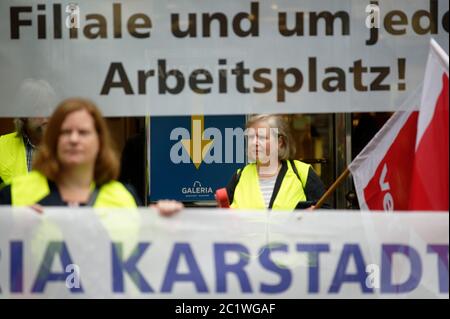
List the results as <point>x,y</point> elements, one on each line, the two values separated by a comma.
<point>197,190</point>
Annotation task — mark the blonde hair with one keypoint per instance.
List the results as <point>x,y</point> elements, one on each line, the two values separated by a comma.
<point>287,149</point>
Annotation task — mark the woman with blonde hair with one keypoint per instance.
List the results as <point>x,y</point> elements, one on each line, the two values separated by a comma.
<point>273,179</point>
<point>75,165</point>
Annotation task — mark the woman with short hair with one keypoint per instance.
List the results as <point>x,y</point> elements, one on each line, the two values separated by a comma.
<point>273,179</point>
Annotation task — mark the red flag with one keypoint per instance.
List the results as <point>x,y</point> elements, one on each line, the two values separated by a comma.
<point>429,187</point>
<point>382,171</point>
<point>405,166</point>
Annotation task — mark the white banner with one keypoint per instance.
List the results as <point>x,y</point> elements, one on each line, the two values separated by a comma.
<point>137,58</point>
<point>81,253</point>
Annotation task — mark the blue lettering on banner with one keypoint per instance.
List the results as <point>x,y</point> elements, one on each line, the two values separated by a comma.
<point>267,263</point>
<point>387,251</point>
<point>313,251</point>
<point>16,270</point>
<point>222,268</point>
<point>119,266</point>
<point>194,275</point>
<point>442,252</point>
<point>225,269</point>
<point>340,276</point>
<point>45,275</point>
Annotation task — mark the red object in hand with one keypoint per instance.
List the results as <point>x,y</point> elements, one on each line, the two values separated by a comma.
<point>222,198</point>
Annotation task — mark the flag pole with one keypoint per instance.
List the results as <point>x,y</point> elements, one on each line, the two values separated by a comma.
<point>332,188</point>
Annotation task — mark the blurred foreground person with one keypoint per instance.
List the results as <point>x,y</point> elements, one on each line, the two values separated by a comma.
<point>75,165</point>
<point>17,148</point>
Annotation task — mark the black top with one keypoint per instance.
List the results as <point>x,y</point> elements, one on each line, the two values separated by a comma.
<point>132,166</point>
<point>314,187</point>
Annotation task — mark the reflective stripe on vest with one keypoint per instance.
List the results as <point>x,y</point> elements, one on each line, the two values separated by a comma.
<point>13,158</point>
<point>31,188</point>
<point>247,194</point>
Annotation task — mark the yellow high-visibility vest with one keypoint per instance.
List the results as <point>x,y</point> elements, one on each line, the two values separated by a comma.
<point>247,194</point>
<point>29,189</point>
<point>13,158</point>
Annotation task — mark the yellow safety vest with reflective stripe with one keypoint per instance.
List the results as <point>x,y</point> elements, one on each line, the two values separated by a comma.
<point>31,188</point>
<point>13,158</point>
<point>247,194</point>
